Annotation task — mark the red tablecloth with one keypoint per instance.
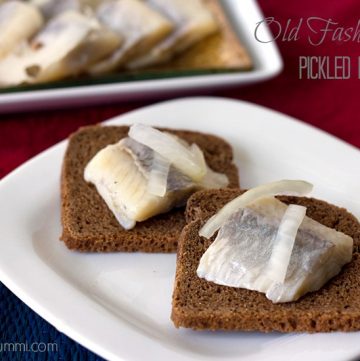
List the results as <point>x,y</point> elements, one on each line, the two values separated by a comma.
<point>332,105</point>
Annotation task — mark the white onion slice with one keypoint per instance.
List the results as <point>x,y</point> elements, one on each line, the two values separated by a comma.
<point>296,187</point>
<point>214,180</point>
<point>180,156</point>
<point>198,155</point>
<point>284,242</point>
<point>158,175</point>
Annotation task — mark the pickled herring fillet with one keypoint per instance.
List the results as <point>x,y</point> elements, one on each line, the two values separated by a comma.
<point>241,252</point>
<point>19,21</point>
<point>193,22</point>
<point>66,46</point>
<point>141,27</point>
<point>52,8</point>
<point>120,173</point>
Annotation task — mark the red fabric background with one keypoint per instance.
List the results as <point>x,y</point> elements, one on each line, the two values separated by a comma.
<point>332,105</point>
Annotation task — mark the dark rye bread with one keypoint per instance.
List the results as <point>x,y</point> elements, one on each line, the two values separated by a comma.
<point>88,224</point>
<point>200,305</point>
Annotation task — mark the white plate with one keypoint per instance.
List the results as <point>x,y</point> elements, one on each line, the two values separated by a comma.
<point>118,305</point>
<point>244,15</point>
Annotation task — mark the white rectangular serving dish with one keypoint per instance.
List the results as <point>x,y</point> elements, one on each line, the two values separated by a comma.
<point>244,15</point>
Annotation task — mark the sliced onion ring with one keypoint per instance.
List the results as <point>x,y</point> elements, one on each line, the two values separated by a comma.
<point>214,180</point>
<point>211,179</point>
<point>198,155</point>
<point>296,187</point>
<point>284,242</point>
<point>180,156</point>
<point>158,177</point>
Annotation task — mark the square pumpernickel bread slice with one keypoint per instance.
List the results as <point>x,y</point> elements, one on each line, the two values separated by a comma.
<point>200,305</point>
<point>88,224</point>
